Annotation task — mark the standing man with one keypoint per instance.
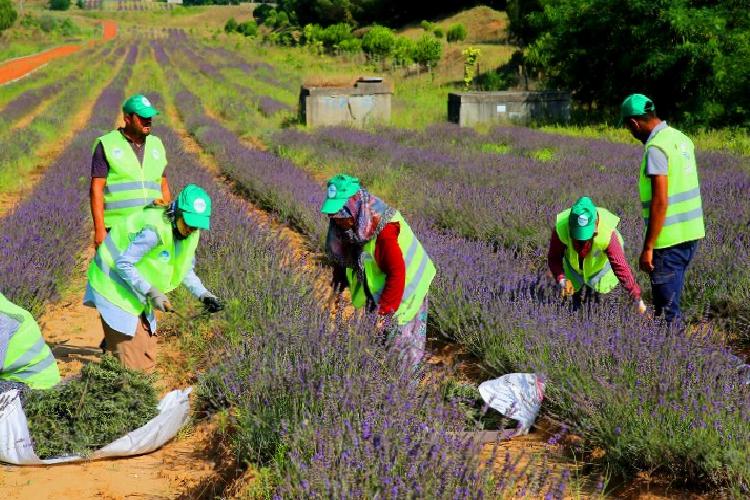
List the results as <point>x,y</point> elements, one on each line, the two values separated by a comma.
<point>127,168</point>
<point>671,201</point>
<point>144,257</point>
<point>586,255</point>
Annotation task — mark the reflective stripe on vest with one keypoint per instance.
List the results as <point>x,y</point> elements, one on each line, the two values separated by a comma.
<point>420,272</point>
<point>28,358</point>
<point>130,186</point>
<point>163,267</point>
<point>684,217</point>
<point>601,276</point>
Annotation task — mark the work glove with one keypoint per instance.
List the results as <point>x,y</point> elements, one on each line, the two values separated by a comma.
<point>640,307</point>
<point>565,287</point>
<point>159,300</point>
<point>212,303</point>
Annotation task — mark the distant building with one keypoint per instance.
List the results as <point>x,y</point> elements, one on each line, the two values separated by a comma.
<point>470,108</point>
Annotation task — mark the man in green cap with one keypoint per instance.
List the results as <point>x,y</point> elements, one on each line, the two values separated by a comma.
<point>127,168</point>
<point>144,257</point>
<point>670,199</point>
<point>376,254</point>
<point>586,255</point>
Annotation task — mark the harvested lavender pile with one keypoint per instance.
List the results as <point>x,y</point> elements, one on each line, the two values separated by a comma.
<point>85,414</point>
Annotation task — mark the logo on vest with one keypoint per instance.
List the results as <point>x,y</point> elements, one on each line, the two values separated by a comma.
<point>583,220</point>
<point>164,256</point>
<point>331,191</point>
<point>199,206</point>
<point>145,102</point>
<point>117,153</point>
<point>155,154</point>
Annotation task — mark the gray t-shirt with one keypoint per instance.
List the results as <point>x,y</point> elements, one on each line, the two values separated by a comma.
<point>656,160</point>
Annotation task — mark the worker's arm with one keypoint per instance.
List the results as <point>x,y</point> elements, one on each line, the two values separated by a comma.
<point>555,255</point>
<point>99,172</point>
<point>620,267</point>
<point>193,283</point>
<point>390,260</point>
<point>142,243</point>
<point>166,195</point>
<point>658,213</point>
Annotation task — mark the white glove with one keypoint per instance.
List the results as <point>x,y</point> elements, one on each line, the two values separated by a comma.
<point>640,307</point>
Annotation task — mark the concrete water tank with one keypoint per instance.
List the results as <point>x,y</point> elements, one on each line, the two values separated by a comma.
<point>367,101</point>
<point>471,108</point>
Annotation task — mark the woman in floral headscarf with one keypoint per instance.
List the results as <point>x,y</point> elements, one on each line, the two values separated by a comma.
<point>377,255</point>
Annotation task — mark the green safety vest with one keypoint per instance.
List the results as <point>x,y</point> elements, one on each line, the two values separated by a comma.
<point>130,185</point>
<point>164,266</point>
<point>684,221</point>
<point>28,359</point>
<point>597,271</point>
<point>419,274</point>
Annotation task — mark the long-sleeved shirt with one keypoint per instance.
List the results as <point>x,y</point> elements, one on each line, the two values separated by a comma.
<point>614,252</point>
<point>114,316</point>
<point>390,260</point>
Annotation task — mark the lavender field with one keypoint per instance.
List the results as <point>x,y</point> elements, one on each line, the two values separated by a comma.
<point>307,400</point>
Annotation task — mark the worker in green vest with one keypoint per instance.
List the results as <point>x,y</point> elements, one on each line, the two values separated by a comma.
<point>24,356</point>
<point>671,202</point>
<point>379,258</point>
<point>586,255</point>
<point>127,168</point>
<point>144,257</point>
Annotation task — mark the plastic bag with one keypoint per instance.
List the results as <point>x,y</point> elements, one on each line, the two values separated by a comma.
<point>16,446</point>
<point>516,395</point>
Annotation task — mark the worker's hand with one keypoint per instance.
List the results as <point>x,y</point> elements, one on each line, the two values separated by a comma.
<point>565,287</point>
<point>640,306</point>
<point>212,303</point>
<point>99,235</point>
<point>646,262</point>
<point>159,300</point>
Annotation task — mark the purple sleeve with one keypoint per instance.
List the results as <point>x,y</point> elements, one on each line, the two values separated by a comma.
<point>99,164</point>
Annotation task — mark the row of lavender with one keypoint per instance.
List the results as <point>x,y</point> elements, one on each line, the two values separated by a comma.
<point>42,237</point>
<point>510,198</point>
<point>624,383</point>
<point>319,403</point>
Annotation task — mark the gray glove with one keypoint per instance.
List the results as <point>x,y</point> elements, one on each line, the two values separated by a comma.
<point>159,300</point>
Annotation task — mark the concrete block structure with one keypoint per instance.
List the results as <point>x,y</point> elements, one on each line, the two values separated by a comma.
<point>367,101</point>
<point>471,108</point>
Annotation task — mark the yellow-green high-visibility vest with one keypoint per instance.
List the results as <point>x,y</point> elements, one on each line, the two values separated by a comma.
<point>597,271</point>
<point>130,185</point>
<point>27,358</point>
<point>164,266</point>
<point>684,220</point>
<point>420,272</point>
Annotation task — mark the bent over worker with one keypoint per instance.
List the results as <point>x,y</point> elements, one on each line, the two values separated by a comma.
<point>24,356</point>
<point>378,256</point>
<point>145,256</point>
<point>127,168</point>
<point>671,201</point>
<point>586,255</point>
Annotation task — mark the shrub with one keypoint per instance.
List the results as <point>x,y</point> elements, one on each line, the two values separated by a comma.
<point>59,4</point>
<point>456,33</point>
<point>230,26</point>
<point>69,28</point>
<point>439,33</point>
<point>47,23</point>
<point>262,12</point>
<point>378,42</point>
<point>282,20</point>
<point>427,51</point>
<point>403,50</point>
<point>8,15</point>
<point>351,46</point>
<point>248,28</point>
<point>334,34</point>
<point>427,25</point>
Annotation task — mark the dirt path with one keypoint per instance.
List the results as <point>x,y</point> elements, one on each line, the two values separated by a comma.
<point>19,67</point>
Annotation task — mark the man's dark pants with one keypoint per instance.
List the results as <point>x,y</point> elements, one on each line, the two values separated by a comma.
<point>668,277</point>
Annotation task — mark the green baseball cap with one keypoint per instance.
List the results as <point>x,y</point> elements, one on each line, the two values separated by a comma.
<point>340,188</point>
<point>582,220</point>
<point>140,105</point>
<point>195,206</point>
<point>635,105</point>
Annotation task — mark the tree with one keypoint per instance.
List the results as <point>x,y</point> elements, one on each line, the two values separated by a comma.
<point>403,50</point>
<point>378,42</point>
<point>427,50</point>
<point>8,15</point>
<point>456,33</point>
<point>59,4</point>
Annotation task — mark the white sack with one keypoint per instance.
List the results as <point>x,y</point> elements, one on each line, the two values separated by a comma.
<point>516,395</point>
<point>16,446</point>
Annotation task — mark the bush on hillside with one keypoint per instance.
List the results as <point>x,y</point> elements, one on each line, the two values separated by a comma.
<point>334,34</point>
<point>8,15</point>
<point>230,26</point>
<point>439,33</point>
<point>378,42</point>
<point>403,51</point>
<point>427,51</point>
<point>59,4</point>
<point>248,28</point>
<point>456,33</point>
